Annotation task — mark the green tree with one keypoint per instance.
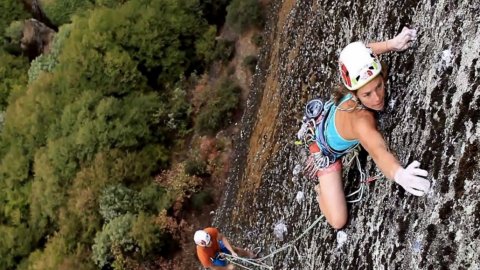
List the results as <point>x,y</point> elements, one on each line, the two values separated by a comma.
<point>13,73</point>
<point>47,62</point>
<point>15,242</point>
<point>149,236</point>
<point>205,45</point>
<point>214,10</point>
<point>104,109</point>
<point>118,200</point>
<point>218,107</point>
<point>13,36</point>
<point>243,14</point>
<point>116,233</point>
<point>60,12</point>
<point>155,198</point>
<point>12,10</point>
<point>109,3</point>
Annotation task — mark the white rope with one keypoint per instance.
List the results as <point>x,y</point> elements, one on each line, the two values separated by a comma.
<point>258,261</point>
<point>364,179</point>
<point>254,262</point>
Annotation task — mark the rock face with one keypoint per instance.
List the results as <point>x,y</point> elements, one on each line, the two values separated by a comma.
<point>432,115</point>
<point>37,38</point>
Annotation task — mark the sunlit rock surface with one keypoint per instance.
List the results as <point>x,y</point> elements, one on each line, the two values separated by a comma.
<point>432,115</point>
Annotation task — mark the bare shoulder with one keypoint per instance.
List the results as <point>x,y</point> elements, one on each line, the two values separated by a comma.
<point>365,115</point>
<point>364,122</point>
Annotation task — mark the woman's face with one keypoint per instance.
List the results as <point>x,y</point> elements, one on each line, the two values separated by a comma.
<point>372,94</point>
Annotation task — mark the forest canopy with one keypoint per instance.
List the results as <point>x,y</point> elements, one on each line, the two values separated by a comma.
<point>85,133</point>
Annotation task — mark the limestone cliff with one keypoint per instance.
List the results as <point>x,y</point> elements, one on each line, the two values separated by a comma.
<point>432,116</point>
<point>36,38</point>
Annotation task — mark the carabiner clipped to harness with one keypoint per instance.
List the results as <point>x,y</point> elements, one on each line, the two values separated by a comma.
<point>313,108</point>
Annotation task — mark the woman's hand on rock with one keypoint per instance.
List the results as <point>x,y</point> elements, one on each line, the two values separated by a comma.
<point>403,40</point>
<point>412,179</point>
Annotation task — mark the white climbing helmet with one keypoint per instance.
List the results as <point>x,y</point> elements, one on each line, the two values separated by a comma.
<point>201,238</point>
<point>358,65</point>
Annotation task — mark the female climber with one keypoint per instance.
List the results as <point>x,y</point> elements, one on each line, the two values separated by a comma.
<point>350,121</point>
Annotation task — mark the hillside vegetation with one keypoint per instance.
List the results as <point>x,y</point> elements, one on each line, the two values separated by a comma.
<point>89,130</point>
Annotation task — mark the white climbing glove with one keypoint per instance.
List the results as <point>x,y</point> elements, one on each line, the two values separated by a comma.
<point>403,40</point>
<point>412,179</point>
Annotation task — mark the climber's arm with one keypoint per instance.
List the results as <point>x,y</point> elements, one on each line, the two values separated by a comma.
<point>399,43</point>
<point>412,178</point>
<point>370,138</point>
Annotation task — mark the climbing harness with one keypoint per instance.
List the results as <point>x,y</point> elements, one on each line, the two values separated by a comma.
<point>219,259</point>
<point>312,132</point>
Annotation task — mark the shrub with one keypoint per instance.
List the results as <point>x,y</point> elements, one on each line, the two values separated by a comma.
<point>177,182</point>
<point>128,235</point>
<point>219,107</point>
<point>224,50</point>
<point>257,39</point>
<point>205,45</point>
<point>154,198</point>
<point>118,200</point>
<point>109,3</point>
<point>47,62</point>
<point>147,234</point>
<point>13,75</point>
<point>201,199</point>
<point>11,11</point>
<point>14,32</point>
<point>250,62</point>
<point>231,70</point>
<point>196,167</point>
<point>174,117</point>
<point>114,234</point>
<point>243,14</point>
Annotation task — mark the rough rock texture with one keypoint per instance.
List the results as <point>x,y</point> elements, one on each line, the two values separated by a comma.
<point>432,115</point>
<point>35,8</point>
<point>36,38</point>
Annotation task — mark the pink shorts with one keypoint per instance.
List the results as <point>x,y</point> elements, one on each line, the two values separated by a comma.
<point>335,167</point>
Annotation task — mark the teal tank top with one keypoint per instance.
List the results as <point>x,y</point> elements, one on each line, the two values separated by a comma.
<point>333,138</point>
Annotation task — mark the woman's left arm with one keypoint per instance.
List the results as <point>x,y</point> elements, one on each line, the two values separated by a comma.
<point>399,43</point>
